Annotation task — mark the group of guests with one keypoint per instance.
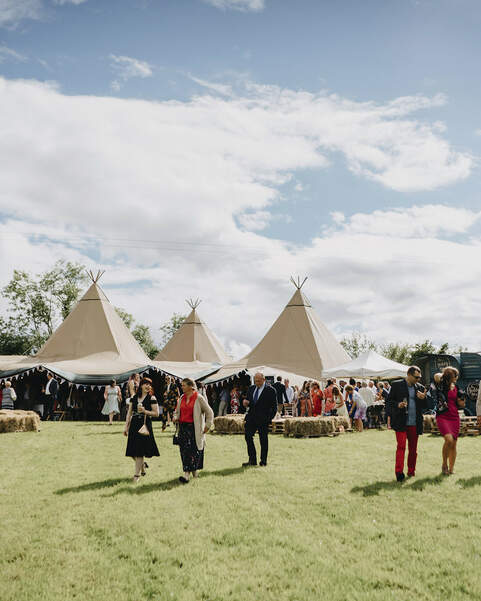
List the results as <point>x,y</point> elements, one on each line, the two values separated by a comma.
<point>405,406</point>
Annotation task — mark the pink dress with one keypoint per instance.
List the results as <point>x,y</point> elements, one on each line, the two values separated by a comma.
<point>448,422</point>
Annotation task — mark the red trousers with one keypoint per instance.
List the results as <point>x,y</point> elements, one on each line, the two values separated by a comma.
<point>412,437</point>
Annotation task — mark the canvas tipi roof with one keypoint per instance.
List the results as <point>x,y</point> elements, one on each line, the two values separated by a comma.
<point>297,343</point>
<point>92,339</point>
<point>193,341</point>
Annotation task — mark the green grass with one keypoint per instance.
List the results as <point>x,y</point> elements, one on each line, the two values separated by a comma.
<point>324,520</point>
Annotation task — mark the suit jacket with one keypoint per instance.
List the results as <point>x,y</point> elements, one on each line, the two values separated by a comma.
<point>265,409</point>
<point>53,388</point>
<point>399,392</point>
<point>281,393</point>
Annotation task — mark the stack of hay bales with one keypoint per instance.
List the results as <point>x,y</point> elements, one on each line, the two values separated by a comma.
<point>19,421</point>
<point>315,426</point>
<point>229,424</point>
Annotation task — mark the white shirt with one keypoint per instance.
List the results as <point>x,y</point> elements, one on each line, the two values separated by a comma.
<point>260,391</point>
<point>47,388</point>
<point>290,393</point>
<point>368,395</point>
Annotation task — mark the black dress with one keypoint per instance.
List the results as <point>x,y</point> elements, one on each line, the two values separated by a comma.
<point>137,444</point>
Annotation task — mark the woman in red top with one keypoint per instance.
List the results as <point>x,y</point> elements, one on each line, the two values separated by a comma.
<point>195,418</point>
<point>316,398</point>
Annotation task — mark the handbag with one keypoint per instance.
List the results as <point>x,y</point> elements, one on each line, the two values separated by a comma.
<point>144,431</point>
<point>175,439</point>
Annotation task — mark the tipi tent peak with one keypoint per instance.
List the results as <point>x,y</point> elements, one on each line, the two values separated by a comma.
<point>193,304</point>
<point>95,278</point>
<point>298,284</point>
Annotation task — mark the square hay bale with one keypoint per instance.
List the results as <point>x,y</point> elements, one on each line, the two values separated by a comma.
<point>19,421</point>
<point>315,426</point>
<point>229,424</point>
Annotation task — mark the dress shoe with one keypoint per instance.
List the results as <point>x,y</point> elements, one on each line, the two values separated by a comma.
<point>248,463</point>
<point>263,463</point>
<point>400,476</point>
<point>183,480</point>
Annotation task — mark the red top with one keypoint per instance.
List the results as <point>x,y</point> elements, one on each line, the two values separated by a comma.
<point>187,408</point>
<point>317,396</point>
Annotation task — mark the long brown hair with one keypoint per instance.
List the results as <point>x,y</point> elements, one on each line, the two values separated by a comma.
<point>449,375</point>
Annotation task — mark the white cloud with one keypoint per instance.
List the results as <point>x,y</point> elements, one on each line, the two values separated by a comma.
<point>241,5</point>
<point>413,222</point>
<point>224,89</point>
<point>127,67</point>
<point>10,54</point>
<point>14,11</point>
<point>156,192</point>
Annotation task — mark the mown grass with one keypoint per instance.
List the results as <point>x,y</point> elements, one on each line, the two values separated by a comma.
<point>324,520</point>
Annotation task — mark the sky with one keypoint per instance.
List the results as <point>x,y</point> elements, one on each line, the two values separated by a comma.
<point>214,148</point>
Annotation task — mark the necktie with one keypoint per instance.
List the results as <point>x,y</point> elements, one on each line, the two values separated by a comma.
<point>256,395</point>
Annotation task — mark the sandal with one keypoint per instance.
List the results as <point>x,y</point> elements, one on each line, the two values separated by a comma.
<point>136,478</point>
<point>444,470</point>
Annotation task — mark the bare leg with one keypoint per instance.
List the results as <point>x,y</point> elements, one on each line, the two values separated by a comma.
<point>111,417</point>
<point>360,427</point>
<point>139,462</point>
<point>452,456</point>
<point>195,474</point>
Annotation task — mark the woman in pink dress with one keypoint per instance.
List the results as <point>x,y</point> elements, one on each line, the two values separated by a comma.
<point>447,416</point>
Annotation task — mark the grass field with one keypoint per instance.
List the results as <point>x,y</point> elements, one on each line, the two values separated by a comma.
<point>324,520</point>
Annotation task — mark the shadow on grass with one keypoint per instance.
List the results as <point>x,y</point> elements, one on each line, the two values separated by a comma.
<point>142,489</point>
<point>372,490</point>
<point>92,486</point>
<point>117,432</point>
<point>469,482</point>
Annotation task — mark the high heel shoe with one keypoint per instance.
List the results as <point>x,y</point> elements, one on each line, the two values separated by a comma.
<point>136,478</point>
<point>445,470</point>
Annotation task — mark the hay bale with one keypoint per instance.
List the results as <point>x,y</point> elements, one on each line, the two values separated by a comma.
<point>229,424</point>
<point>315,426</point>
<point>19,421</point>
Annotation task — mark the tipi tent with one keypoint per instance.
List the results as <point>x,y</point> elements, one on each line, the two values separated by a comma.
<point>194,350</point>
<point>297,344</point>
<point>368,365</point>
<point>91,345</point>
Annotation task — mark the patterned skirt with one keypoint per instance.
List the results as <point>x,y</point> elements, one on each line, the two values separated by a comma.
<point>192,458</point>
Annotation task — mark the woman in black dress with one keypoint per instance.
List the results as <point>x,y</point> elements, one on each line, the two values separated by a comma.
<point>143,406</point>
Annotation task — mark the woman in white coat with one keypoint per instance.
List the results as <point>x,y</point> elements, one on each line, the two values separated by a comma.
<point>194,417</point>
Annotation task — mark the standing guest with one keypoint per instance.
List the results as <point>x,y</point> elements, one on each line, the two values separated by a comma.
<point>142,408</point>
<point>49,396</point>
<point>387,387</point>
<point>367,394</point>
<point>337,398</point>
<point>281,394</point>
<point>289,394</point>
<point>305,400</point>
<point>373,387</point>
<point>171,396</point>
<point>234,400</point>
<point>342,383</point>
<point>358,407</point>
<point>447,416</point>
<point>195,417</point>
<point>262,403</point>
<point>404,406</point>
<point>133,385</point>
<point>316,399</point>
<point>295,402</point>
<point>224,400</point>
<point>9,396</point>
<point>328,390</point>
<point>478,405</point>
<point>113,397</point>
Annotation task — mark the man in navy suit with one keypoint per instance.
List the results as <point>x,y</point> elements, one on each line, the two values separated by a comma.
<point>262,406</point>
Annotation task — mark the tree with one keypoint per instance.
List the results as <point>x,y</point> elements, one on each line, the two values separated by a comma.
<point>357,344</point>
<point>140,332</point>
<point>401,353</point>
<point>12,340</point>
<point>169,328</point>
<point>426,348</point>
<point>38,303</point>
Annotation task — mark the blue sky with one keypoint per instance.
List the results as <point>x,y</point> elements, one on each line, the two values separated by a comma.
<point>197,62</point>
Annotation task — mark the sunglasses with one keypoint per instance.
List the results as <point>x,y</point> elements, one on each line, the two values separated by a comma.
<point>417,377</point>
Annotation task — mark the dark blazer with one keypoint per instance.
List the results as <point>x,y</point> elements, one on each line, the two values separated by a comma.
<point>53,388</point>
<point>266,407</point>
<point>399,392</point>
<point>281,392</point>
